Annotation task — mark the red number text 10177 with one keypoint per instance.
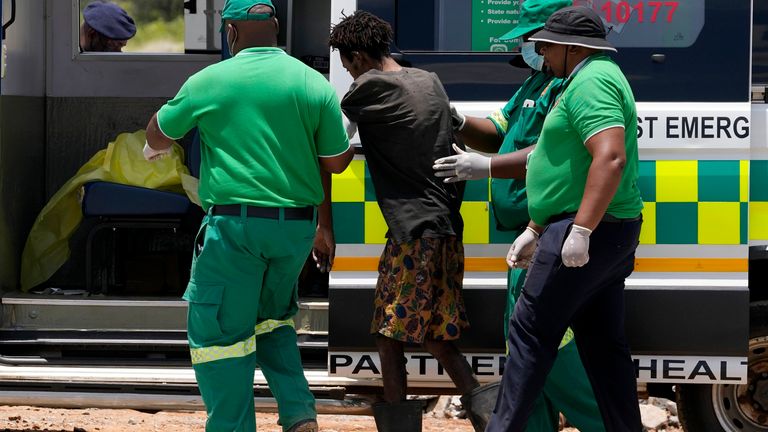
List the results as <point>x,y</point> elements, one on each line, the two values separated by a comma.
<point>621,12</point>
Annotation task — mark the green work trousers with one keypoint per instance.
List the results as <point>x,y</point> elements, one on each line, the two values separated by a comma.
<point>242,298</point>
<point>567,389</point>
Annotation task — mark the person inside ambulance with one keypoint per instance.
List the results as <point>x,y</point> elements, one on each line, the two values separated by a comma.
<point>513,131</point>
<point>106,28</point>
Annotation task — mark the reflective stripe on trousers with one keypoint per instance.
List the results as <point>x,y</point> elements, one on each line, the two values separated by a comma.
<point>239,349</point>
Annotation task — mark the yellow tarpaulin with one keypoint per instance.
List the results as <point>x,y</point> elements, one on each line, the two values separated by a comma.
<point>47,246</point>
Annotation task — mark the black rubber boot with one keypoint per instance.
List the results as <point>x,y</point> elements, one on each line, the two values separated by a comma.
<point>308,425</point>
<point>479,404</point>
<point>398,417</point>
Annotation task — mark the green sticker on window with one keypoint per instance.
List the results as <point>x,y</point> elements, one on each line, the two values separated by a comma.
<point>490,20</point>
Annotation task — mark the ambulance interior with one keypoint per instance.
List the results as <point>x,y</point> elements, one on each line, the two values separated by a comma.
<point>130,255</point>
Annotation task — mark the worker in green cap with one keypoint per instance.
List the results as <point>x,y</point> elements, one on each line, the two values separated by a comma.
<point>271,132</point>
<point>512,132</point>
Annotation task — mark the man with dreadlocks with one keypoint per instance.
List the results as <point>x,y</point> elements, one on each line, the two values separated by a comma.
<point>404,120</point>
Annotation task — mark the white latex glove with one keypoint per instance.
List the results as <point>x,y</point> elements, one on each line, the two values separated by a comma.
<point>151,154</point>
<point>521,252</point>
<point>458,120</point>
<point>575,251</point>
<point>463,166</point>
<point>349,126</point>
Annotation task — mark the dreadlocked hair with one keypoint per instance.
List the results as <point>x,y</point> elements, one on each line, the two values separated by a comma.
<point>361,31</point>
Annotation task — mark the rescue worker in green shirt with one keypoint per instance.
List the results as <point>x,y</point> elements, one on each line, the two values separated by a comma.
<point>586,216</point>
<point>513,132</point>
<point>271,129</point>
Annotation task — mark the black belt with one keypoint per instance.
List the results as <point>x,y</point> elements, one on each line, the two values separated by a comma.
<point>606,218</point>
<point>289,213</point>
<point>613,219</point>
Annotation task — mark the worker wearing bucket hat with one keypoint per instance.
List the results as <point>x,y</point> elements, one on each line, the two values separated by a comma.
<point>516,128</point>
<point>585,210</point>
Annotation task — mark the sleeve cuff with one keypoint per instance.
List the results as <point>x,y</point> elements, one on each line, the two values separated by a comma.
<point>337,154</point>
<point>500,121</point>
<point>160,126</point>
<point>601,129</point>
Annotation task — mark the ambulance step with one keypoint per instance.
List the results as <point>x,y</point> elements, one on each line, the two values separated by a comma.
<point>99,313</point>
<point>154,401</point>
<point>82,312</point>
<point>149,388</point>
<point>128,349</point>
<point>312,318</point>
<point>67,377</point>
<point>83,338</point>
<point>120,340</point>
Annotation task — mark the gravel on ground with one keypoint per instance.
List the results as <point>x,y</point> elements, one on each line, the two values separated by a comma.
<point>29,419</point>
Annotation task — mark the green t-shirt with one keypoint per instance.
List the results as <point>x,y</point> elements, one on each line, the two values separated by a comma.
<point>596,98</point>
<point>264,119</point>
<point>519,123</point>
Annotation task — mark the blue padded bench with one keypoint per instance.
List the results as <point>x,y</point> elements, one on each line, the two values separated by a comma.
<point>113,199</point>
<point>123,206</point>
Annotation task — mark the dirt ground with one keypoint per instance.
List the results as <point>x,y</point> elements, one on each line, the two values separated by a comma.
<point>28,419</point>
<point>24,419</point>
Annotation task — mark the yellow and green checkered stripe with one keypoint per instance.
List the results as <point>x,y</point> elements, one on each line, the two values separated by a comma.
<point>689,202</point>
<point>713,202</point>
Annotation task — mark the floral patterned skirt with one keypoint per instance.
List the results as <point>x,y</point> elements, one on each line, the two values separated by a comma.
<point>419,291</point>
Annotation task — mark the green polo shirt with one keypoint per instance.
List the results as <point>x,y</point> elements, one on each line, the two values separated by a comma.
<point>596,98</point>
<point>264,119</point>
<point>519,123</point>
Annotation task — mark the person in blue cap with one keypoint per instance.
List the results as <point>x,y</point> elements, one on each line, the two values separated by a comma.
<point>106,28</point>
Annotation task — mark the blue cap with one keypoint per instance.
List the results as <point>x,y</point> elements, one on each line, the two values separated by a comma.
<point>110,20</point>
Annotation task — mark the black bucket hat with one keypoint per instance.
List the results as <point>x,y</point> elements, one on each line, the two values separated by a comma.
<point>574,25</point>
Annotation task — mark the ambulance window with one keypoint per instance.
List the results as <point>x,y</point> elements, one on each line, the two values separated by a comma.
<point>475,26</point>
<point>179,26</point>
<point>159,25</point>
<point>760,43</point>
<point>666,48</point>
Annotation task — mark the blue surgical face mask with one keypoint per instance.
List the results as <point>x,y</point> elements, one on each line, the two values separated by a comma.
<point>530,57</point>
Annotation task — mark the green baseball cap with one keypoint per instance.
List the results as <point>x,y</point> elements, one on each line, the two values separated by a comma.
<point>237,10</point>
<point>533,16</point>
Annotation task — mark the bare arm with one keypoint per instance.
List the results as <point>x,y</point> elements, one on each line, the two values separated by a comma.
<point>156,139</point>
<point>480,134</point>
<point>337,164</point>
<point>324,249</point>
<point>510,165</point>
<point>608,160</point>
<point>324,214</point>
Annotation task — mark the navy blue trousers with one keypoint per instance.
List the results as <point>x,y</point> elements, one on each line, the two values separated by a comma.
<point>591,300</point>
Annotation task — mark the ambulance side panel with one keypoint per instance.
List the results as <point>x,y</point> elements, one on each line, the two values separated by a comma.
<point>688,301</point>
